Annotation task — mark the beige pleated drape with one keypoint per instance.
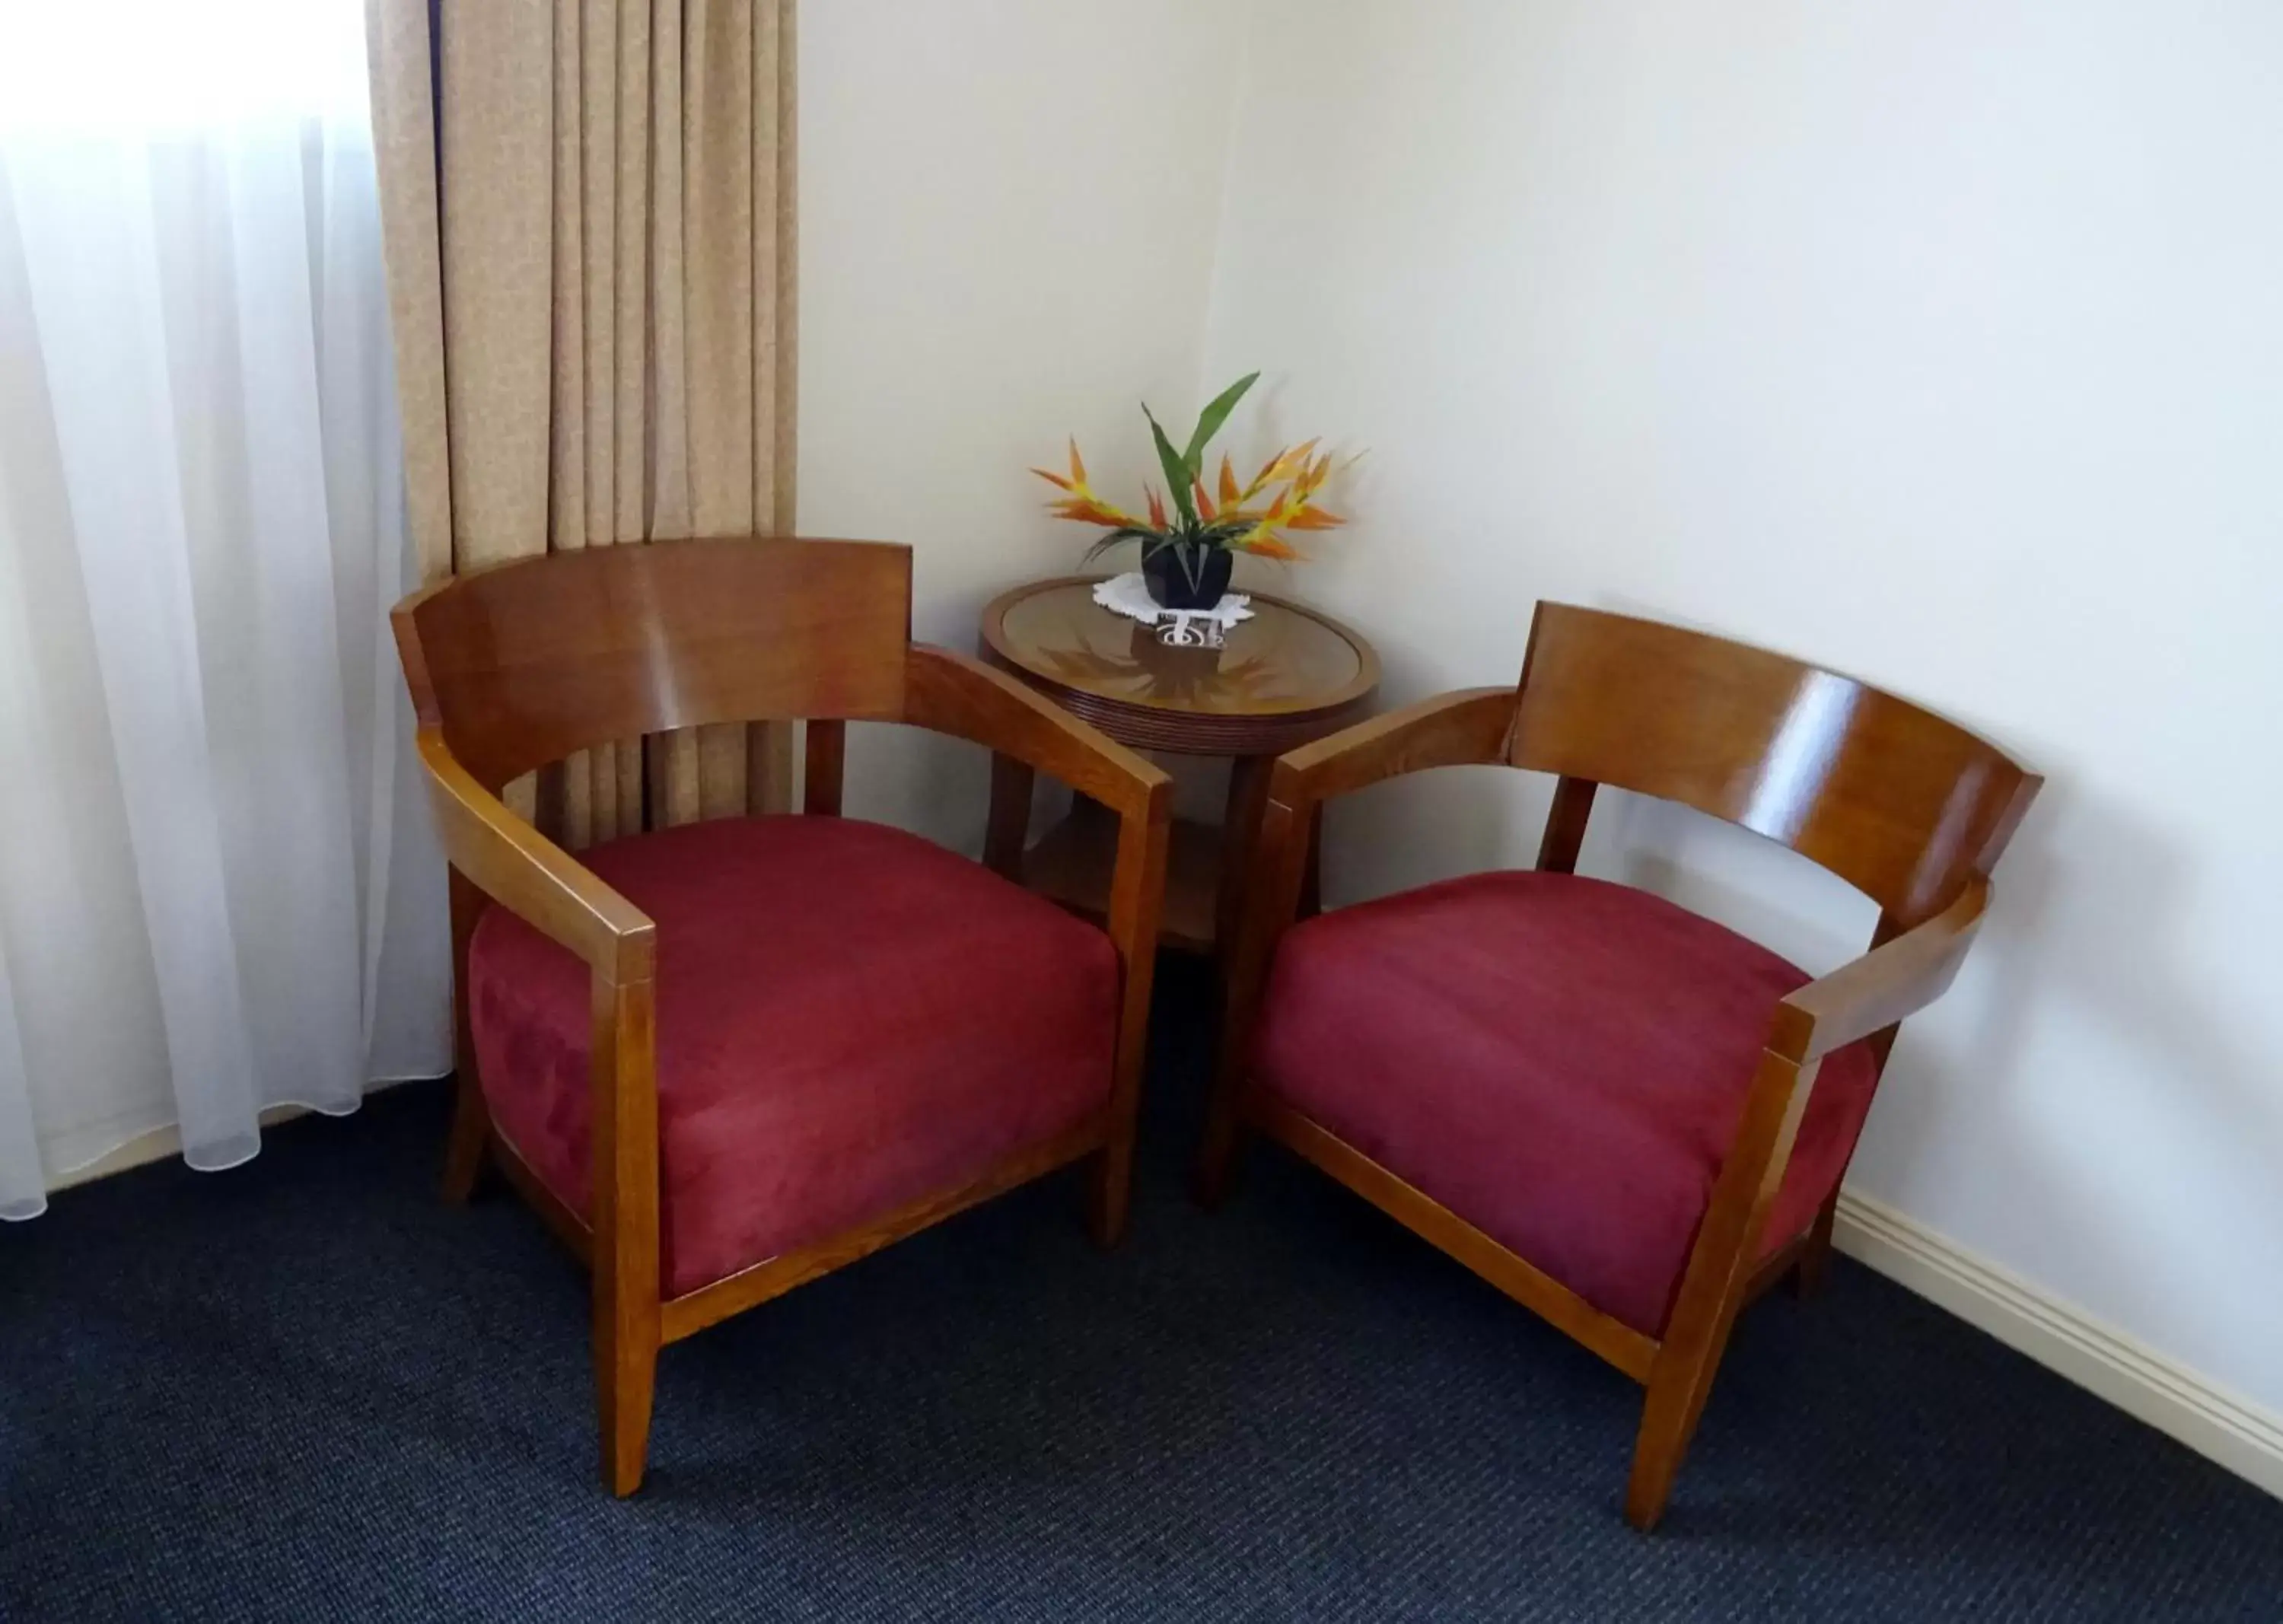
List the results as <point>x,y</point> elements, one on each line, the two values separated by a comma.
<point>588,207</point>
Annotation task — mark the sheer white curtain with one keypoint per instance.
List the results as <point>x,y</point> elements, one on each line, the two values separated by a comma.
<point>218,892</point>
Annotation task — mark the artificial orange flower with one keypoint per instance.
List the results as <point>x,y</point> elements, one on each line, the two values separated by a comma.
<point>1222,516</point>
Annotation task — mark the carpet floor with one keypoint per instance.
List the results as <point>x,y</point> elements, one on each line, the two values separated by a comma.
<point>307,1390</point>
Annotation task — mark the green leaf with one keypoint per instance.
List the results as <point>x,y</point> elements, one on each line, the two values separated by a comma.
<point>1113,538</point>
<point>1177,473</point>
<point>1209,422</point>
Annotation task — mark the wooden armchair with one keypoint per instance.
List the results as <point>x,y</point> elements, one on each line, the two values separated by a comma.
<point>724,1058</point>
<point>1625,1116</point>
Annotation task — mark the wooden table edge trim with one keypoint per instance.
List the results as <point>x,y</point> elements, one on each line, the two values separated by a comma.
<point>1359,689</point>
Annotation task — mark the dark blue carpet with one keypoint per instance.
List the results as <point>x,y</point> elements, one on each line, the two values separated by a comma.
<point>306,1389</point>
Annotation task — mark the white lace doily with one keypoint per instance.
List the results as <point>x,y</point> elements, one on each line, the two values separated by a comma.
<point>1129,595</point>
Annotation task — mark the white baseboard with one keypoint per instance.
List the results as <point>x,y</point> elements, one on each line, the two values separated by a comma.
<point>2221,1425</point>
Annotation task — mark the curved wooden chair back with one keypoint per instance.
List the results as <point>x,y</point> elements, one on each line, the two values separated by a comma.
<point>1900,803</point>
<point>524,663</point>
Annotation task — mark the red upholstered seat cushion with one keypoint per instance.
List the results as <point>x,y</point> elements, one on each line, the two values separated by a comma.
<point>849,1018</point>
<point>1560,1061</point>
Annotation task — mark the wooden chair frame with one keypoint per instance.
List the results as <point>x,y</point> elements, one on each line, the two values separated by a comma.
<point>563,652</point>
<point>1577,714</point>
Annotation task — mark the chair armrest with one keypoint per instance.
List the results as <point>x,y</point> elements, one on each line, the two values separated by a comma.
<point>1870,995</point>
<point>950,693</point>
<point>1465,729</point>
<point>529,876</point>
<point>1874,991</point>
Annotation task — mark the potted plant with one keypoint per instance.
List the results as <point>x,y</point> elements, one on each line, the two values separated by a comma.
<point>1186,553</point>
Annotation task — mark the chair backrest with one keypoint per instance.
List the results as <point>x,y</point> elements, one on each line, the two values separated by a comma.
<point>522,664</point>
<point>1902,804</point>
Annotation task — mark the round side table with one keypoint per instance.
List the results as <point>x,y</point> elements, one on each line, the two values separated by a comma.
<point>1281,679</point>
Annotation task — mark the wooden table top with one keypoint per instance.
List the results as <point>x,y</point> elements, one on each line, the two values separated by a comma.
<point>1287,676</point>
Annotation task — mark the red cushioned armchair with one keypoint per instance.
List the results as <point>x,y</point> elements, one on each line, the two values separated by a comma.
<point>1628,1118</point>
<point>726,1057</point>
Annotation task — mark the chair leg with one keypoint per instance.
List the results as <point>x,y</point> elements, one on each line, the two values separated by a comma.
<point>623,1072</point>
<point>1110,1191</point>
<point>470,1137</point>
<point>1277,883</point>
<point>471,1118</point>
<point>1815,1257</point>
<point>1678,1386</point>
<point>626,1379</point>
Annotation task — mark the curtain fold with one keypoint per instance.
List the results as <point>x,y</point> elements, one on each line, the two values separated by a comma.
<point>216,896</point>
<point>591,247</point>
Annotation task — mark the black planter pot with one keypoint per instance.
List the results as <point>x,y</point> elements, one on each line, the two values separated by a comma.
<point>1187,577</point>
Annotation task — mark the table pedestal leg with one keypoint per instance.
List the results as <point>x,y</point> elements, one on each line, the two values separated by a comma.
<point>1240,833</point>
<point>1009,827</point>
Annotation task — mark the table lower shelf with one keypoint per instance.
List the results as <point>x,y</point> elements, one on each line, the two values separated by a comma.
<point>1072,864</point>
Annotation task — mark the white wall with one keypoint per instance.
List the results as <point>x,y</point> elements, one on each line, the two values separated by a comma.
<point>1938,341</point>
<point>1006,238</point>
